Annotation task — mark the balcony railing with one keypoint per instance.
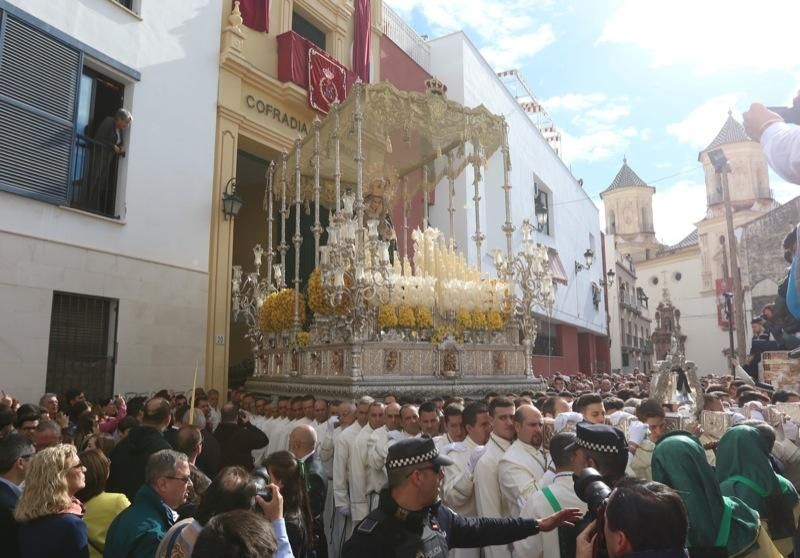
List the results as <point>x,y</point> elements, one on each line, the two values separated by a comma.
<point>94,177</point>
<point>406,38</point>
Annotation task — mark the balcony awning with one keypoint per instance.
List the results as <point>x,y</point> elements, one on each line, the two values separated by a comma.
<point>556,267</point>
<point>408,138</point>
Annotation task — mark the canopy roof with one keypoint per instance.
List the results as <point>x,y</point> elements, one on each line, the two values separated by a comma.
<point>405,135</point>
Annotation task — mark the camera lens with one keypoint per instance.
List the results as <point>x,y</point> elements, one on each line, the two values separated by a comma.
<point>590,488</point>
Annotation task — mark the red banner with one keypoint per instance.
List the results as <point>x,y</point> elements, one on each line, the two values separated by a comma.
<point>255,14</point>
<point>723,286</point>
<point>327,81</point>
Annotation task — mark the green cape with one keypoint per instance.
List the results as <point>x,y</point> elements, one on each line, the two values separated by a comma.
<point>743,452</point>
<point>679,461</point>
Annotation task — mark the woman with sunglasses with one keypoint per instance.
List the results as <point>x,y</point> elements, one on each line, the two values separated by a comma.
<point>49,514</point>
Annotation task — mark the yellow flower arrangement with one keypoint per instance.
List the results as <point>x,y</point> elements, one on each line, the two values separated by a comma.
<point>277,312</point>
<point>439,334</point>
<point>479,321</point>
<point>405,316</point>
<point>387,316</point>
<point>464,319</point>
<point>494,320</point>
<point>302,338</point>
<point>424,318</point>
<point>317,300</point>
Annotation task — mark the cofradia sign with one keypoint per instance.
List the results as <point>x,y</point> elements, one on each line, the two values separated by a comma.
<point>268,110</point>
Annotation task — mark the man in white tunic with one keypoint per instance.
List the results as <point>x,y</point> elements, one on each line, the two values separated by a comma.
<point>525,462</point>
<point>559,495</point>
<point>334,427</point>
<point>488,499</point>
<point>359,478</point>
<point>459,488</point>
<point>342,526</point>
<point>453,426</point>
<point>377,450</point>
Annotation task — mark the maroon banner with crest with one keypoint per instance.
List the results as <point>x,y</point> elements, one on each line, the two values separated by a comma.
<point>327,81</point>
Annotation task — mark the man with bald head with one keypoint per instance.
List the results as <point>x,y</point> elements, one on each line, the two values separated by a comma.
<point>343,458</point>
<point>302,444</point>
<point>377,450</point>
<point>334,427</point>
<point>523,465</point>
<point>359,468</point>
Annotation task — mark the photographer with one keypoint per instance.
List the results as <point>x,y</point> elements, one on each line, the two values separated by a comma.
<point>232,489</point>
<point>238,438</point>
<point>779,140</point>
<point>642,519</point>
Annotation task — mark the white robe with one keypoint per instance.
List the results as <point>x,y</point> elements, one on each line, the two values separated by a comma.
<point>545,545</point>
<point>458,491</point>
<point>488,499</point>
<point>359,504</point>
<point>520,470</point>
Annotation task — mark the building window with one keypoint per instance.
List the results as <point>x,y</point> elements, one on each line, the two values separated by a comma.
<point>132,5</point>
<point>83,335</point>
<point>548,342</point>
<point>308,30</point>
<point>95,166</point>
<point>542,203</point>
<point>625,359</point>
<point>50,105</point>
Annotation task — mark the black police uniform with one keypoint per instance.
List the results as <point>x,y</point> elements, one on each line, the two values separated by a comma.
<point>392,532</point>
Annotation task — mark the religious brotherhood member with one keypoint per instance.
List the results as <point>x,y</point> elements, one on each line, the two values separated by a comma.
<point>679,461</point>
<point>559,495</point>
<point>488,499</point>
<point>744,471</point>
<point>525,462</point>
<point>359,474</point>
<point>459,486</point>
<point>377,450</point>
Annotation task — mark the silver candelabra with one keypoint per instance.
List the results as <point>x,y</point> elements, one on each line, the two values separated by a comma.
<point>533,287</point>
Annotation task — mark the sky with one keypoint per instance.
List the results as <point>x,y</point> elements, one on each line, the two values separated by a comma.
<point>650,80</point>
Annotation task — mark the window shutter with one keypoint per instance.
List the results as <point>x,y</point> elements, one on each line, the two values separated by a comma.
<point>38,88</point>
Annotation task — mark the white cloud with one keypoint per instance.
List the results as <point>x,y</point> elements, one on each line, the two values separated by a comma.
<point>677,208</point>
<point>710,36</point>
<point>507,33</point>
<point>701,125</point>
<point>598,127</point>
<point>574,101</point>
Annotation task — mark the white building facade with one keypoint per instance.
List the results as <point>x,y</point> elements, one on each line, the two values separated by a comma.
<point>104,284</point>
<point>574,338</point>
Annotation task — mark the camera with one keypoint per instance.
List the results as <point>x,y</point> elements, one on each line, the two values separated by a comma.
<point>590,488</point>
<point>261,480</point>
<point>791,115</point>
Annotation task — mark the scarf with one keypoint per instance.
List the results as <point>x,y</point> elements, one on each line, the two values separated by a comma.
<point>679,461</point>
<point>744,471</point>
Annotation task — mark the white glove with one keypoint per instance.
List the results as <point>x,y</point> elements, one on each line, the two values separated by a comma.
<point>565,418</point>
<point>452,446</point>
<point>343,510</point>
<point>394,435</point>
<point>476,454</point>
<point>637,432</point>
<point>330,424</point>
<point>617,416</point>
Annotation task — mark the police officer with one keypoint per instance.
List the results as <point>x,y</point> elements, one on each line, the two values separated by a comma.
<point>411,522</point>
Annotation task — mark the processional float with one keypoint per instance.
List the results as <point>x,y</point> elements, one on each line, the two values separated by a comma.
<point>402,312</point>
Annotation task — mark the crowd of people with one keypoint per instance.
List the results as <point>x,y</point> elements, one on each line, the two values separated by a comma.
<point>502,475</point>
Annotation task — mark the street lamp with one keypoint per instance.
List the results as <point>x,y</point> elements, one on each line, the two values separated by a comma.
<point>588,257</point>
<point>610,281</point>
<point>231,202</point>
<point>541,215</point>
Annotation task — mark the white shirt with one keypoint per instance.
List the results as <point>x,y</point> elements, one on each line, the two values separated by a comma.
<point>214,417</point>
<point>377,448</point>
<point>781,145</point>
<point>488,499</point>
<point>545,545</point>
<point>341,465</point>
<point>359,505</point>
<point>458,491</point>
<point>520,470</point>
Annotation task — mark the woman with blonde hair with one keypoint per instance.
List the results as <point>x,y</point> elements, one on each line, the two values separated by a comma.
<point>49,515</point>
